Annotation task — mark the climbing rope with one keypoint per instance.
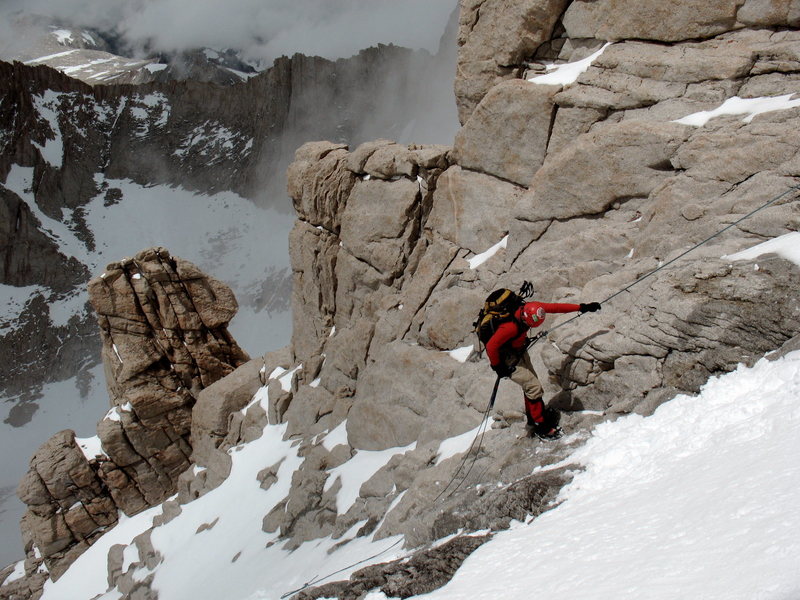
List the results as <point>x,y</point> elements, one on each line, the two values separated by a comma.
<point>479,434</point>
<point>531,341</point>
<point>527,290</point>
<point>682,254</point>
<point>315,580</point>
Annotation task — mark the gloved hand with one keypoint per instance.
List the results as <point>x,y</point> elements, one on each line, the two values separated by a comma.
<point>502,370</point>
<point>590,307</point>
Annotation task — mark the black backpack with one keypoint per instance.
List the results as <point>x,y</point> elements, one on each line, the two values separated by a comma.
<point>499,308</point>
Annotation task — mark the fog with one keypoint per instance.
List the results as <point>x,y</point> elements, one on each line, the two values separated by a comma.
<point>262,29</point>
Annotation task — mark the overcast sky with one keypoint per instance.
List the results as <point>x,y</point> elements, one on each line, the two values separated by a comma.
<point>266,29</point>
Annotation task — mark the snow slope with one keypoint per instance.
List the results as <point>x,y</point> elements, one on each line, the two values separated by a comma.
<point>216,549</point>
<point>698,501</point>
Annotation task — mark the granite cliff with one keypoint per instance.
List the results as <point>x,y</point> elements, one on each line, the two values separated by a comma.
<point>660,139</point>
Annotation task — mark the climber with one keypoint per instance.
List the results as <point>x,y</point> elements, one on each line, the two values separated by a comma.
<point>508,357</point>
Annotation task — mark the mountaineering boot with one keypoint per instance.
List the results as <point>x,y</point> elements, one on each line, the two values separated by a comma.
<point>552,416</point>
<point>548,428</point>
<point>546,432</point>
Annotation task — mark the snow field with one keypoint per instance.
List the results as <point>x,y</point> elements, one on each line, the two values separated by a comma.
<point>697,501</point>
<point>216,547</point>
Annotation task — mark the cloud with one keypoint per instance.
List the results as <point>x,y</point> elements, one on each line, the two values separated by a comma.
<point>265,29</point>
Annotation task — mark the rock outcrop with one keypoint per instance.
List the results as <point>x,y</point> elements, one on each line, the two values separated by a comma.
<point>163,324</point>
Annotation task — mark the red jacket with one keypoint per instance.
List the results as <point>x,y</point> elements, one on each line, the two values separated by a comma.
<point>512,334</point>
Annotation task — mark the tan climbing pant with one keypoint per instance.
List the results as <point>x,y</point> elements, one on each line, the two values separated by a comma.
<point>526,378</point>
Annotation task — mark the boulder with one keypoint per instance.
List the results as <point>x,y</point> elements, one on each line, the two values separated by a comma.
<point>691,62</point>
<point>394,398</point>
<point>216,403</point>
<point>163,324</point>
<point>471,210</point>
<point>390,161</point>
<point>650,19</point>
<point>381,224</point>
<point>769,13</point>
<point>319,182</point>
<point>358,158</point>
<point>68,505</point>
<point>494,38</point>
<point>512,148</point>
<point>615,163</point>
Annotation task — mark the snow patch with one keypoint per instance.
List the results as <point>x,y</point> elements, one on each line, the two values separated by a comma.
<point>47,106</point>
<point>461,354</point>
<point>363,465</point>
<point>64,308</point>
<point>215,142</point>
<point>13,301</point>
<point>77,68</point>
<point>336,437</point>
<point>17,573</point>
<point>261,398</point>
<point>91,447</point>
<point>63,36</point>
<point>151,110</point>
<point>113,415</point>
<point>20,181</point>
<point>284,376</point>
<point>786,246</point>
<point>481,258</point>
<point>155,67</point>
<point>751,107</point>
<point>568,73</point>
<point>42,59</point>
<point>456,445</point>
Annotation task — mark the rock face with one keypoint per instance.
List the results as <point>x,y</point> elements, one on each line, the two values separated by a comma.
<point>495,37</point>
<point>163,324</point>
